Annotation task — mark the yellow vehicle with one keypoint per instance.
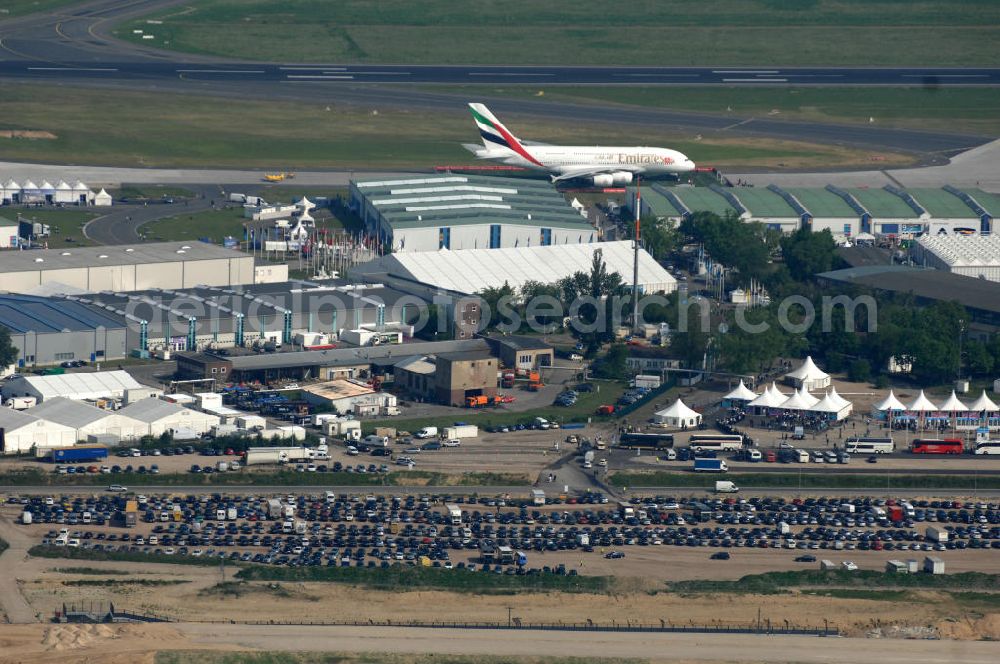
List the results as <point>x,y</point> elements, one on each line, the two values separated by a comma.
<point>274,177</point>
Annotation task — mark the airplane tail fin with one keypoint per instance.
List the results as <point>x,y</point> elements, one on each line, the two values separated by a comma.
<point>494,134</point>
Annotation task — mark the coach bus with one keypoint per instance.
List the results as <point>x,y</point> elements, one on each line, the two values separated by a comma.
<point>937,446</point>
<point>716,442</point>
<point>987,447</point>
<point>652,441</point>
<point>869,446</point>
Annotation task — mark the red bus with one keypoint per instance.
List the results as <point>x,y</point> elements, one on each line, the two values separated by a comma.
<point>937,446</point>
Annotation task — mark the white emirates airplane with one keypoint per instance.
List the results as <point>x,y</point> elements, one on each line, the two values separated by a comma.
<point>605,166</point>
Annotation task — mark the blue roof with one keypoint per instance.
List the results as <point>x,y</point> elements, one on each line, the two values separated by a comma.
<point>29,313</point>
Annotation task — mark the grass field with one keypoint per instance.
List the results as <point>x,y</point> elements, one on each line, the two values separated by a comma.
<point>168,130</point>
<point>725,32</point>
<point>213,224</point>
<point>400,578</point>
<point>808,480</point>
<point>12,8</point>
<point>973,110</point>
<point>66,225</point>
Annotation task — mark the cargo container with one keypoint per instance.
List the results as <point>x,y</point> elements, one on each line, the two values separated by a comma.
<point>26,518</point>
<point>21,403</point>
<point>461,431</point>
<point>231,513</point>
<point>537,497</point>
<point>79,453</point>
<point>895,513</point>
<point>274,508</point>
<point>626,510</point>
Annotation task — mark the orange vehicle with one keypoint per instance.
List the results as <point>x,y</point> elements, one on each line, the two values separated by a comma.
<point>605,410</point>
<point>480,401</point>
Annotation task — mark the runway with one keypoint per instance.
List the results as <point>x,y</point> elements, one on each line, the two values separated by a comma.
<point>74,47</point>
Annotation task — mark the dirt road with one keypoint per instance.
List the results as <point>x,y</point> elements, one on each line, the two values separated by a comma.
<point>12,601</point>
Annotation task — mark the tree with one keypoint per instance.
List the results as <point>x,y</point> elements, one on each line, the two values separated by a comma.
<point>859,371</point>
<point>614,364</point>
<point>689,346</point>
<point>597,285</point>
<point>533,291</point>
<point>658,236</point>
<point>978,358</point>
<point>807,254</point>
<point>491,298</point>
<point>8,351</point>
<point>731,241</point>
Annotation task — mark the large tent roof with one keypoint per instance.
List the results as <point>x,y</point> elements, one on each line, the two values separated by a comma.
<point>771,398</point>
<point>82,385</point>
<point>800,400</point>
<point>807,371</point>
<point>922,404</point>
<point>890,403</point>
<point>953,404</point>
<point>741,393</point>
<point>983,403</point>
<point>837,399</point>
<point>677,409</point>
<point>828,404</point>
<point>473,270</point>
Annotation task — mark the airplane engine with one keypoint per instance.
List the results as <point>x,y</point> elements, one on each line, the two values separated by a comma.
<point>603,180</point>
<point>621,177</point>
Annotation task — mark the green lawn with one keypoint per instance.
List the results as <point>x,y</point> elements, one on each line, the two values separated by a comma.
<point>859,580</point>
<point>65,225</point>
<point>649,32</point>
<point>12,8</point>
<point>973,110</point>
<point>213,224</point>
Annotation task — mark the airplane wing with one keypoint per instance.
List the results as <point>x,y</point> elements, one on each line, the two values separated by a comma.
<point>588,171</point>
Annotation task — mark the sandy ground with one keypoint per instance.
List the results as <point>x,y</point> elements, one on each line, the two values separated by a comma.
<point>121,644</point>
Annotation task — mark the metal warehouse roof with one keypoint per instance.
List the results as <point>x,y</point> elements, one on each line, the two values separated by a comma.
<point>703,199</point>
<point>90,385</point>
<point>75,414</point>
<point>881,204</point>
<point>351,356</point>
<point>151,410</point>
<point>12,420</point>
<point>939,203</point>
<point>964,251</point>
<point>472,270</point>
<point>27,313</point>
<point>763,203</point>
<point>468,199</point>
<point>822,203</point>
<point>77,257</point>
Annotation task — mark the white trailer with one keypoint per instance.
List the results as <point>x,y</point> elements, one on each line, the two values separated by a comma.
<point>537,497</point>
<point>231,513</point>
<point>461,431</point>
<point>454,514</point>
<point>260,455</point>
<point>274,508</point>
<point>935,534</point>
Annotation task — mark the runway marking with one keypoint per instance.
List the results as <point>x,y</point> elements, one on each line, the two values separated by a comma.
<point>745,71</point>
<point>662,75</point>
<point>504,73</point>
<point>382,73</point>
<point>946,75</point>
<point>221,71</point>
<point>741,122</point>
<point>313,68</point>
<point>319,77</point>
<point>70,69</point>
<point>755,80</point>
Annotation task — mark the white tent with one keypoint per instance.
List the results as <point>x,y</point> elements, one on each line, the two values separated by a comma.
<point>677,415</point>
<point>983,403</point>
<point>771,398</point>
<point>306,218</point>
<point>741,393</point>
<point>64,193</point>
<point>102,199</point>
<point>306,204</point>
<point>800,400</point>
<point>163,416</point>
<point>23,431</point>
<point>834,405</point>
<point>808,375</point>
<point>922,404</point>
<point>890,403</point>
<point>953,405</point>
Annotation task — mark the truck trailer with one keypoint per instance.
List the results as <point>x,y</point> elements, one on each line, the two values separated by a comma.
<point>454,514</point>
<point>79,453</point>
<point>461,431</point>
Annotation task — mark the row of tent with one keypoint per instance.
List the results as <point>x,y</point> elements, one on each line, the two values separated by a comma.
<point>924,405</point>
<point>78,193</point>
<point>830,404</point>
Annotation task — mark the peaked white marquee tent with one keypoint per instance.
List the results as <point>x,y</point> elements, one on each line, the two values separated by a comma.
<point>808,375</point>
<point>677,415</point>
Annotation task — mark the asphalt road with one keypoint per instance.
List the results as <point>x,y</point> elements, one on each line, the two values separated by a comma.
<point>122,225</point>
<point>74,46</point>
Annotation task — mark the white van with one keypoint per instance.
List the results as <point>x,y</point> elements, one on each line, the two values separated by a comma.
<point>426,432</point>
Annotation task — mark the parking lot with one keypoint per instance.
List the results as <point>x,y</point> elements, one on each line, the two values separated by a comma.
<point>589,536</point>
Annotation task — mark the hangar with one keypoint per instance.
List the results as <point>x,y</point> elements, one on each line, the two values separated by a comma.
<point>473,270</point>
<point>429,213</point>
<point>88,420</point>
<point>161,417</point>
<point>77,386</point>
<point>20,432</point>
<point>125,268</point>
<point>974,256</point>
<point>50,331</point>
